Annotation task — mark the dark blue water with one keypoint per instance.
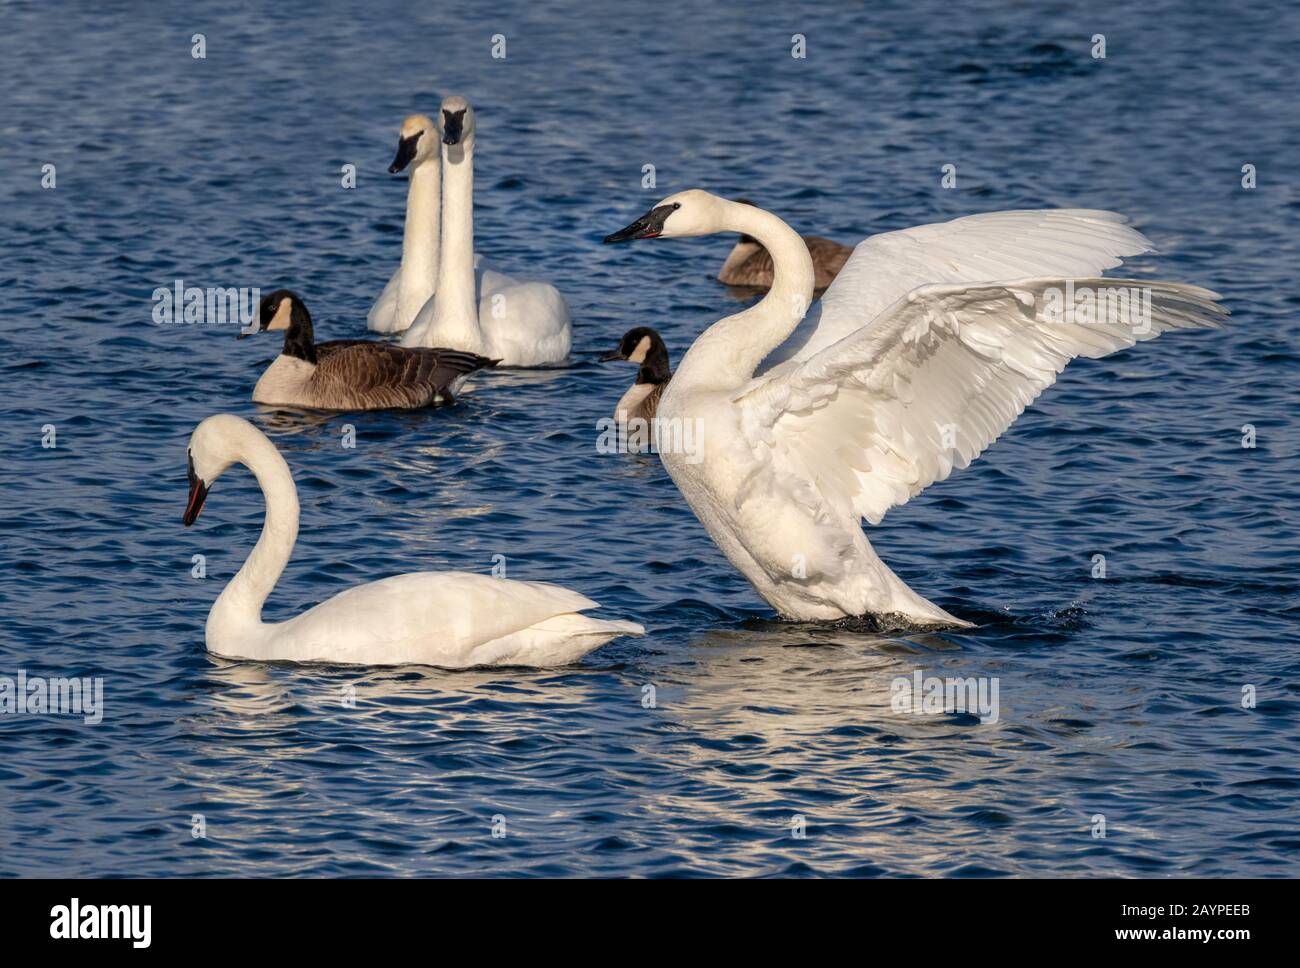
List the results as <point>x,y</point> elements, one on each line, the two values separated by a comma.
<point>1119,696</point>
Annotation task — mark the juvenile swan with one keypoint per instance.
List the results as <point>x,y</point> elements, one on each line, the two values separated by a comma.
<point>450,619</point>
<point>352,374</point>
<point>519,323</point>
<point>413,283</point>
<point>749,264</point>
<point>912,365</point>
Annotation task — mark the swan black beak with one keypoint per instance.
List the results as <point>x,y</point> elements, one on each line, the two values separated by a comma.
<point>648,226</point>
<point>613,355</point>
<point>198,494</point>
<point>405,152</point>
<point>453,123</point>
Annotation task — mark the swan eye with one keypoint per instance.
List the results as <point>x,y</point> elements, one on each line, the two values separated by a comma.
<point>676,205</point>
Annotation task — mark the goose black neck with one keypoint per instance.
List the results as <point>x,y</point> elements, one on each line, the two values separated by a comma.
<point>299,341</point>
<point>654,369</point>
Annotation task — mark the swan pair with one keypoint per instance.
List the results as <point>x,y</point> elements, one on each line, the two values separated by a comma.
<point>448,619</point>
<point>442,295</point>
<point>925,348</point>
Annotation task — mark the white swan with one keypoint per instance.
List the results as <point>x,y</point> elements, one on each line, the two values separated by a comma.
<point>417,275</point>
<point>912,365</point>
<point>450,619</point>
<point>519,323</point>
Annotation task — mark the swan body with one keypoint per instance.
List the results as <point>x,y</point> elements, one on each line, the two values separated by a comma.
<point>914,362</point>
<point>478,309</point>
<point>448,619</point>
<point>353,374</point>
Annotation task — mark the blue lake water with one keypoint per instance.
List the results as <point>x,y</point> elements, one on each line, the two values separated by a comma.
<point>1119,697</point>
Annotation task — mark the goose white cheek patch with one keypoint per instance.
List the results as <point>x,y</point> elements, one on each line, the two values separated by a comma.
<point>642,348</point>
<point>281,318</point>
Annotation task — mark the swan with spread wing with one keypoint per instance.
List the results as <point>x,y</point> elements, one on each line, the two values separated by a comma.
<point>925,348</point>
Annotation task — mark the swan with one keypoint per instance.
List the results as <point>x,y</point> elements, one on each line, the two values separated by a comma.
<point>352,374</point>
<point>412,284</point>
<point>918,357</point>
<point>750,265</point>
<point>450,619</point>
<point>644,347</point>
<point>484,312</point>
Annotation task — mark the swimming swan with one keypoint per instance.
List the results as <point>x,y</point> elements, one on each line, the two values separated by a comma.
<point>913,363</point>
<point>450,619</point>
<point>749,264</point>
<point>417,275</point>
<point>352,374</point>
<point>519,323</point>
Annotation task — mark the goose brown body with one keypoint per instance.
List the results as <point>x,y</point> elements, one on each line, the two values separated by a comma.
<point>641,402</point>
<point>354,374</point>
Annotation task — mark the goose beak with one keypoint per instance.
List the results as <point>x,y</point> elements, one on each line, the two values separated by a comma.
<point>648,226</point>
<point>198,494</point>
<point>612,355</point>
<point>405,152</point>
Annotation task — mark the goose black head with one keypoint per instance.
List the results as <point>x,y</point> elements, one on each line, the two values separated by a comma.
<point>643,347</point>
<point>284,310</point>
<point>416,141</point>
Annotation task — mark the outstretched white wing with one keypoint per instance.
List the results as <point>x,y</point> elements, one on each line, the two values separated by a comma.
<point>871,420</point>
<point>978,248</point>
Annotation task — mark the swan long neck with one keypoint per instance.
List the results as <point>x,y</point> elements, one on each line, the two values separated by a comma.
<point>240,605</point>
<point>421,237</point>
<point>727,354</point>
<point>455,313</point>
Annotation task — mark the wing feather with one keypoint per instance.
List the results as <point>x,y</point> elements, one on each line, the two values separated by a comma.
<point>871,420</point>
<point>977,248</point>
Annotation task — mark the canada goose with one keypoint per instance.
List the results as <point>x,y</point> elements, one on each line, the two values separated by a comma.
<point>450,619</point>
<point>519,323</point>
<point>643,347</point>
<point>749,264</point>
<point>413,283</point>
<point>911,365</point>
<point>352,374</point>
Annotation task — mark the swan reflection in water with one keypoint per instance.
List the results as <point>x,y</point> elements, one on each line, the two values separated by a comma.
<point>745,729</point>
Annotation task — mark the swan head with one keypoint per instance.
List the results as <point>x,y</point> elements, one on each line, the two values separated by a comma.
<point>215,444</point>
<point>636,346</point>
<point>456,122</point>
<point>416,142</point>
<point>693,212</point>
